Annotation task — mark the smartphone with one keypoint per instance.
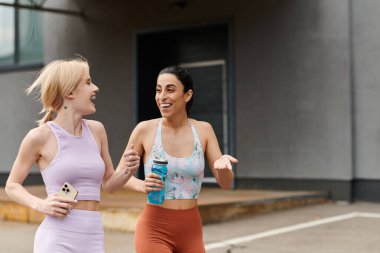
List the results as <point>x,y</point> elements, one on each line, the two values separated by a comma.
<point>68,191</point>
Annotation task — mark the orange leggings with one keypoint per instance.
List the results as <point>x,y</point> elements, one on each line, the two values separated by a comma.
<point>165,231</point>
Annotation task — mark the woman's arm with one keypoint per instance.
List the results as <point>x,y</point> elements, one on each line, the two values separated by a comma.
<point>113,179</point>
<point>219,164</point>
<point>152,181</point>
<point>136,139</point>
<point>29,153</point>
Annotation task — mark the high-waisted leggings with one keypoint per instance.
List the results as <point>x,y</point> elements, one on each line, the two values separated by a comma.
<point>166,231</point>
<point>81,231</point>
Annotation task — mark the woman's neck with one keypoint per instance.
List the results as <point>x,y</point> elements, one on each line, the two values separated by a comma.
<point>70,122</point>
<point>176,122</point>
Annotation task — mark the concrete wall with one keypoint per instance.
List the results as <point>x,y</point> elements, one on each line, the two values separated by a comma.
<point>366,50</point>
<point>18,114</point>
<point>292,69</point>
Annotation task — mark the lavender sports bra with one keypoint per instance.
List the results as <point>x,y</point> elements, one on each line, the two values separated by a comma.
<point>185,175</point>
<point>78,162</point>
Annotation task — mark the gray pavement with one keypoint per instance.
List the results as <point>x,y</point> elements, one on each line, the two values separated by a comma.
<point>327,228</point>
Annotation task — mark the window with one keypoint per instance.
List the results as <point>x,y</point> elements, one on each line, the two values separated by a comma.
<point>20,34</point>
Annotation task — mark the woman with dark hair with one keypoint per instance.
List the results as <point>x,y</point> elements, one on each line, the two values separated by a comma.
<point>183,142</point>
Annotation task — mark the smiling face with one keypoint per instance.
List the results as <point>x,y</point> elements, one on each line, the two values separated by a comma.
<point>170,97</point>
<point>84,95</point>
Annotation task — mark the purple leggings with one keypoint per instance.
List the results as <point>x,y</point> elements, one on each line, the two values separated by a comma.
<point>81,231</point>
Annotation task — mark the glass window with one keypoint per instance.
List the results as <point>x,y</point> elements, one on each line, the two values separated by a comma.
<point>30,35</point>
<point>30,2</point>
<point>7,35</point>
<point>7,1</point>
<point>20,34</point>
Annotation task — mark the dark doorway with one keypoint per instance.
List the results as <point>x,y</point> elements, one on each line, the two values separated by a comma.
<point>204,52</point>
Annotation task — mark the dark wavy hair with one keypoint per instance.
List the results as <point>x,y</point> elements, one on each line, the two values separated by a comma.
<point>185,78</point>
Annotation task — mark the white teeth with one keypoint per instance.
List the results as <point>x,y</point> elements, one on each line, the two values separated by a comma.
<point>165,105</point>
<point>93,98</point>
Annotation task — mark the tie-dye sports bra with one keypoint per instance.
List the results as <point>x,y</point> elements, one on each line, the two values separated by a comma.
<point>185,175</point>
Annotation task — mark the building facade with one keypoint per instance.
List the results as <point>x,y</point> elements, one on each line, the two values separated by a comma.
<point>291,86</point>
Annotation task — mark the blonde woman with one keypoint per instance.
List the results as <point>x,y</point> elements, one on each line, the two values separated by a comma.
<point>68,148</point>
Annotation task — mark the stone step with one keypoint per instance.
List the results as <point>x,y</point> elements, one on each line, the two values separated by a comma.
<point>121,210</point>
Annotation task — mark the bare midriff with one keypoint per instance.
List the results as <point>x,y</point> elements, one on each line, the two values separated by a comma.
<point>89,205</point>
<point>179,204</point>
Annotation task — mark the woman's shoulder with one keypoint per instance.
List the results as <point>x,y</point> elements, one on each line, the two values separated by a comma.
<point>201,125</point>
<point>147,125</point>
<point>93,124</point>
<point>203,128</point>
<point>96,127</point>
<point>144,131</point>
<point>39,135</point>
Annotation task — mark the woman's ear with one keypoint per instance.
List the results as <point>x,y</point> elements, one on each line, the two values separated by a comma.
<point>188,95</point>
<point>70,95</point>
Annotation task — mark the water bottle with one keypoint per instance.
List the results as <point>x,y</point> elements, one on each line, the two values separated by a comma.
<point>159,167</point>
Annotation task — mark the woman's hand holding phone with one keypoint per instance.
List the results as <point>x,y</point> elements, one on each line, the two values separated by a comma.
<point>59,204</point>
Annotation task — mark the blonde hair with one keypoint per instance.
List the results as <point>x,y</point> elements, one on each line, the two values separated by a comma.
<point>54,82</point>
